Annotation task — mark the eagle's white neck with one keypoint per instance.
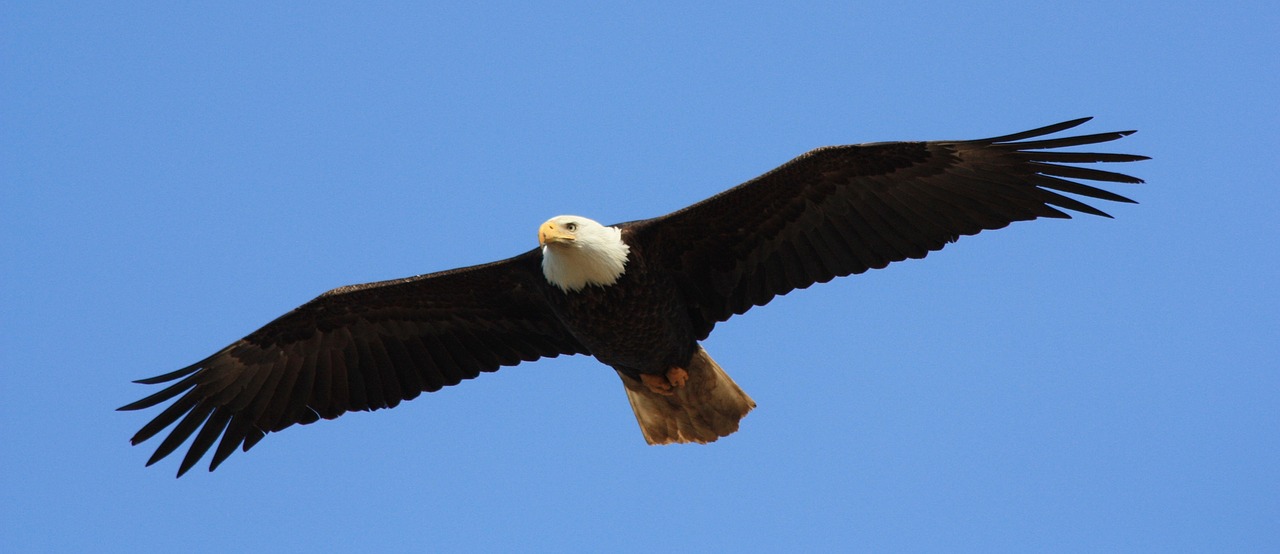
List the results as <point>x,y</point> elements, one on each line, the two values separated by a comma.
<point>597,256</point>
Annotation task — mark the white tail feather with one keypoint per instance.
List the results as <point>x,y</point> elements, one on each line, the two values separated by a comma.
<point>707,407</point>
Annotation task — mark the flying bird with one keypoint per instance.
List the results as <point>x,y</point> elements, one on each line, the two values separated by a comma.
<point>638,296</point>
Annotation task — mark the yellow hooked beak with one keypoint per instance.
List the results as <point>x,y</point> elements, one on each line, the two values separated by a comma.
<point>552,233</point>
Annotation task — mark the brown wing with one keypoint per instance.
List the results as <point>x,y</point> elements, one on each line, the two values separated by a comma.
<point>361,347</point>
<point>842,210</point>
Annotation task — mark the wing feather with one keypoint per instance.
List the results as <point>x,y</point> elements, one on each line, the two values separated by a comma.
<point>842,210</point>
<point>362,347</point>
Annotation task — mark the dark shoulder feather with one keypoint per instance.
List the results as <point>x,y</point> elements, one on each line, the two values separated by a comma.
<point>842,210</point>
<point>360,347</point>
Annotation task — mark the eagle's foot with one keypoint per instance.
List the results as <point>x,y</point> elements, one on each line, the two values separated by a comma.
<point>656,383</point>
<point>665,384</point>
<point>677,376</point>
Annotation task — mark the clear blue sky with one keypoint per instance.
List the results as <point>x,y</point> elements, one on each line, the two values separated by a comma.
<point>176,176</point>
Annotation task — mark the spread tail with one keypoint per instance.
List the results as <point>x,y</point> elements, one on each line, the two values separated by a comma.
<point>707,407</point>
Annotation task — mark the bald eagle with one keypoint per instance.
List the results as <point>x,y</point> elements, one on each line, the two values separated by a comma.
<point>637,296</point>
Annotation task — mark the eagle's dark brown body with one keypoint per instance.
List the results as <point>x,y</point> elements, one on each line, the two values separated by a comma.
<point>641,324</point>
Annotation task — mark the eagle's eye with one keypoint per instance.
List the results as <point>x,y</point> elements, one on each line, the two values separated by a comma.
<point>571,227</point>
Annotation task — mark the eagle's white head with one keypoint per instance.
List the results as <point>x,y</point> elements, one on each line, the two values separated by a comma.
<point>577,252</point>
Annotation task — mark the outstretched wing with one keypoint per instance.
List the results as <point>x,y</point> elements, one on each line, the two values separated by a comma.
<point>361,347</point>
<point>842,210</point>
